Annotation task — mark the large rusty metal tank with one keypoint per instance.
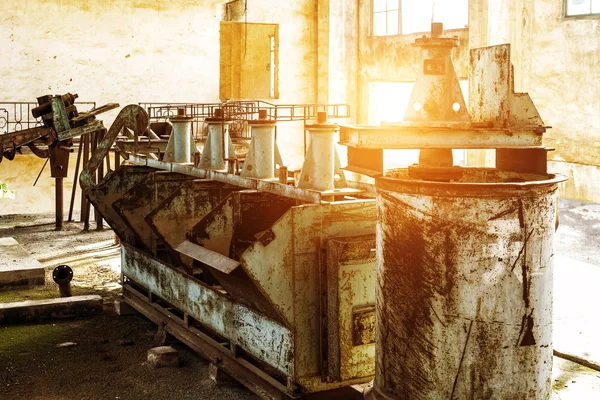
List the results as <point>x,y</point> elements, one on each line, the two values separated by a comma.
<point>464,271</point>
<point>464,286</point>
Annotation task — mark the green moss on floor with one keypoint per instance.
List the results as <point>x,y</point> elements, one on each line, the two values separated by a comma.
<point>42,292</point>
<point>19,339</point>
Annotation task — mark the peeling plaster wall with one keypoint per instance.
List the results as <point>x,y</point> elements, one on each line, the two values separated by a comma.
<point>20,175</point>
<point>556,60</point>
<point>131,51</point>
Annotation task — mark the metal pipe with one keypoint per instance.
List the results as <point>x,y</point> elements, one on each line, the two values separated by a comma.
<point>62,275</point>
<point>59,192</point>
<point>182,132</point>
<point>260,161</point>
<point>218,140</point>
<point>464,286</point>
<point>318,170</point>
<point>100,177</point>
<point>75,178</point>
<point>84,201</point>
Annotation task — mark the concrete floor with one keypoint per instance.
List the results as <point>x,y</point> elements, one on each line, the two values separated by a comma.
<point>576,285</point>
<point>576,330</point>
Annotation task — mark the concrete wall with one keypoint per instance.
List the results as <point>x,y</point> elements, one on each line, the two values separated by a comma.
<point>131,51</point>
<point>556,60</point>
<point>21,173</point>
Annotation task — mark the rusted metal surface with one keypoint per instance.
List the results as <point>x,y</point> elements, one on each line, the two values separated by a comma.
<point>408,135</point>
<point>249,375</point>
<point>307,195</point>
<point>318,168</point>
<point>363,325</point>
<point>218,145</point>
<point>183,209</point>
<point>534,161</point>
<point>211,258</point>
<point>464,286</point>
<point>436,95</point>
<point>349,290</point>
<point>229,229</point>
<point>22,138</point>
<point>258,335</point>
<point>285,264</point>
<point>491,90</point>
<point>437,116</point>
<point>103,195</point>
<point>263,153</point>
<point>142,198</point>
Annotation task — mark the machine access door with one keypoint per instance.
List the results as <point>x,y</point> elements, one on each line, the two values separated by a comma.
<point>249,61</point>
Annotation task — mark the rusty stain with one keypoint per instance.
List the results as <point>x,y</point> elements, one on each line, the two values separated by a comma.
<point>436,242</point>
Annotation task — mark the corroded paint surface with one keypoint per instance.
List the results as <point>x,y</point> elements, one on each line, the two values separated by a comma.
<point>256,334</point>
<point>464,295</point>
<point>552,55</point>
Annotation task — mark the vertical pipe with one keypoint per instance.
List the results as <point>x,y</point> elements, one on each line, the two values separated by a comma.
<point>216,147</point>
<point>100,176</point>
<point>262,148</point>
<point>117,158</point>
<point>86,156</point>
<point>318,170</point>
<point>283,174</point>
<point>59,192</point>
<point>182,132</point>
<point>75,180</point>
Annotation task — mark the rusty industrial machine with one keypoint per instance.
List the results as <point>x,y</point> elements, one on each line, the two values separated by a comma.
<point>62,122</point>
<point>436,279</point>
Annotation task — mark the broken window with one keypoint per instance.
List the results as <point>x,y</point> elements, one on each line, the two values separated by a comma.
<point>394,17</point>
<point>575,8</point>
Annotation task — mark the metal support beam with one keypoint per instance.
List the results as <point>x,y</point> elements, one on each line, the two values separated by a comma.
<point>59,203</point>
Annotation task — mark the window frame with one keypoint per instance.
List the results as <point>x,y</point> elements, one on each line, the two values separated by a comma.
<point>399,33</point>
<point>373,12</point>
<point>591,15</point>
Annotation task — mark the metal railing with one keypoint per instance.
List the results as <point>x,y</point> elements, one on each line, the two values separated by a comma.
<point>16,115</point>
<point>240,111</point>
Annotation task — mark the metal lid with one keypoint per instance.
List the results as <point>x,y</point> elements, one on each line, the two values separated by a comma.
<point>180,117</point>
<point>322,122</point>
<point>263,119</point>
<point>437,38</point>
<point>218,116</point>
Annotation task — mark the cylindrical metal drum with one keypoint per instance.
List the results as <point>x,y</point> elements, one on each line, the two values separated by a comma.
<point>263,150</point>
<point>323,154</point>
<point>318,170</point>
<point>464,286</point>
<point>182,139</point>
<point>218,137</point>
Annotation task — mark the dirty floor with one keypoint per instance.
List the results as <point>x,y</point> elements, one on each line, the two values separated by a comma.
<point>109,359</point>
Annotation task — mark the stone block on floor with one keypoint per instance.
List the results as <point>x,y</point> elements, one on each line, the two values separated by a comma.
<point>163,356</point>
<point>17,266</point>
<point>48,309</point>
<point>124,308</point>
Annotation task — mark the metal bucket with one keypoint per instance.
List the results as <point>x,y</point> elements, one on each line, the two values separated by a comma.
<point>464,286</point>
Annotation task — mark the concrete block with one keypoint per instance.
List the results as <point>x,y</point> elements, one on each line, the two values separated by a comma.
<point>163,356</point>
<point>17,266</point>
<point>219,376</point>
<point>124,308</point>
<point>42,310</point>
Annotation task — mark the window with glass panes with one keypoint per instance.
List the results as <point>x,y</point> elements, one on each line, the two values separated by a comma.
<point>574,8</point>
<point>395,17</point>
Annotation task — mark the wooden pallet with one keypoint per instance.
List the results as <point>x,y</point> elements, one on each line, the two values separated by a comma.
<point>222,355</point>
